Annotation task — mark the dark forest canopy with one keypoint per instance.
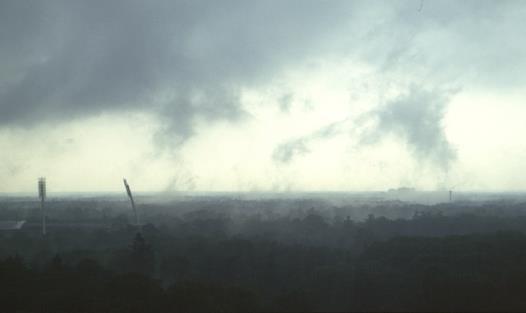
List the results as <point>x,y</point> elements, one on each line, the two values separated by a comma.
<point>205,255</point>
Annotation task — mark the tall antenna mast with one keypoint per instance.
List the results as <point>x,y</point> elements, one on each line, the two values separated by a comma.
<point>42,196</point>
<point>128,191</point>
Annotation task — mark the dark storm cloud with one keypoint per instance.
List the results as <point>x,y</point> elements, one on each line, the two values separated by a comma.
<point>415,117</point>
<point>180,59</point>
<point>184,60</point>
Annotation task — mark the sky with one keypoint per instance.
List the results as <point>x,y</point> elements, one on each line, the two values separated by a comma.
<point>262,95</point>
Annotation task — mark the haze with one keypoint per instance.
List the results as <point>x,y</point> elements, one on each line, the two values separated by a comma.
<point>262,95</point>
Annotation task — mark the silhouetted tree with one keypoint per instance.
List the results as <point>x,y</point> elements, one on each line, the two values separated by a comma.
<point>142,256</point>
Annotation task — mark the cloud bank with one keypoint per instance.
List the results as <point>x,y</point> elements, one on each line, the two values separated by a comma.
<point>188,64</point>
<point>178,59</point>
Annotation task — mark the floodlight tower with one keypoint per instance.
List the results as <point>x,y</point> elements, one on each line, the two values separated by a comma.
<point>42,196</point>
<point>450,196</point>
<point>128,191</point>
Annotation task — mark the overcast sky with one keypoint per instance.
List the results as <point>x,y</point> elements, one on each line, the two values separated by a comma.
<point>262,95</point>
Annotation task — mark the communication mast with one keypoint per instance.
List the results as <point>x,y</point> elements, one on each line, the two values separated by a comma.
<point>42,196</point>
<point>128,191</point>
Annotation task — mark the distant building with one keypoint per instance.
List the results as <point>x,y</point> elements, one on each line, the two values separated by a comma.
<point>11,225</point>
<point>402,190</point>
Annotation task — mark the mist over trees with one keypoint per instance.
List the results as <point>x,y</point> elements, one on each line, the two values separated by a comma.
<point>268,254</point>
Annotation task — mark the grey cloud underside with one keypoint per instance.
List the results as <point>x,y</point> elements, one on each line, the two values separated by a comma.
<point>286,152</point>
<point>179,59</point>
<point>184,60</point>
<point>414,117</point>
<point>429,56</point>
<point>289,150</point>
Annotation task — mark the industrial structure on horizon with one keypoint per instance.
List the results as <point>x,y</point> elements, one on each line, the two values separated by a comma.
<point>42,196</point>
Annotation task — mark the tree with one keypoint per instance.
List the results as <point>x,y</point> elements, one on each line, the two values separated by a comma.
<point>142,257</point>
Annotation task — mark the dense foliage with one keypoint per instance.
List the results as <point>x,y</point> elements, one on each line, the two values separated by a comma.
<point>210,260</point>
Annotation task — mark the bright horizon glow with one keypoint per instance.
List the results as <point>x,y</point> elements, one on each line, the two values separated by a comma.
<point>237,157</point>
